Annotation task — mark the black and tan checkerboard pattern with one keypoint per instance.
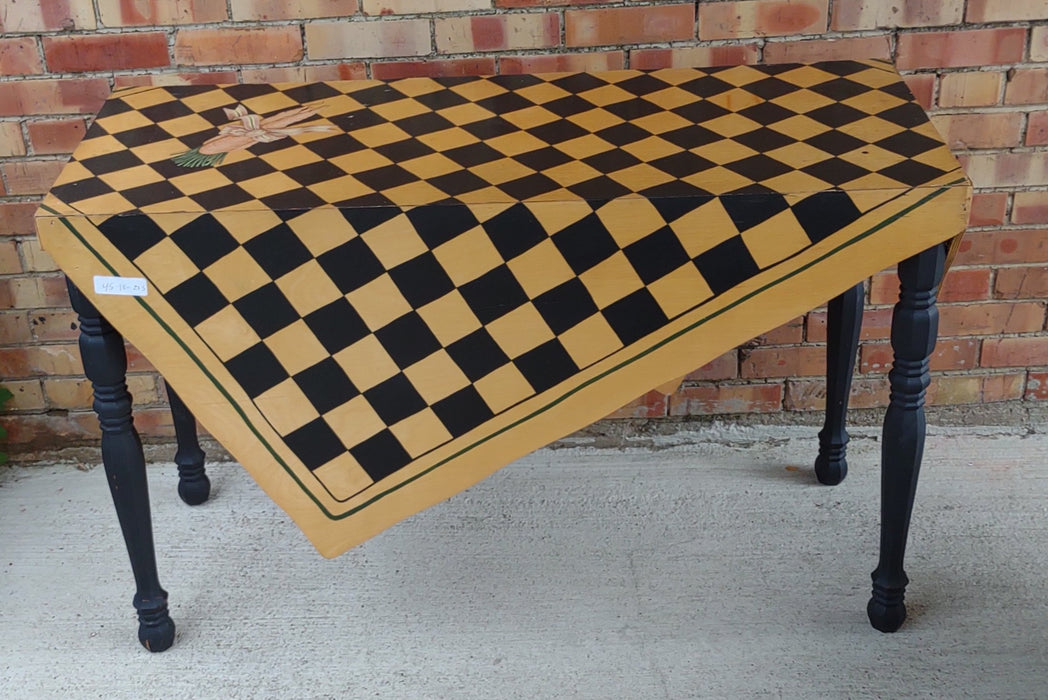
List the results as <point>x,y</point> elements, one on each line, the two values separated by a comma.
<point>452,251</point>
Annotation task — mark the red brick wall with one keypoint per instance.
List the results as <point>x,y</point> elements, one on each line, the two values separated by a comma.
<point>981,66</point>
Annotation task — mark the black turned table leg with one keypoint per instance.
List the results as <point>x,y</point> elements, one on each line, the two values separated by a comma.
<point>193,485</point>
<point>844,319</point>
<point>915,323</point>
<point>105,364</point>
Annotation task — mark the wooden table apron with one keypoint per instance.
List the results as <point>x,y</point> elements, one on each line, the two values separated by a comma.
<point>766,229</point>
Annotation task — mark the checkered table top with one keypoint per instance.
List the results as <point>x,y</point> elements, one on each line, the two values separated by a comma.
<point>377,293</point>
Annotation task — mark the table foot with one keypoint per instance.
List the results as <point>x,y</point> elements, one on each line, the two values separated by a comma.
<point>156,629</point>
<point>915,323</point>
<point>194,487</point>
<point>843,322</point>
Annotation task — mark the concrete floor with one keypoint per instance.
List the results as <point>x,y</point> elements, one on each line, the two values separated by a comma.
<point>709,566</point>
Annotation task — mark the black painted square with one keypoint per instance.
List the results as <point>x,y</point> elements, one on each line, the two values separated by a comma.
<point>204,240</point>
<point>351,265</point>
<point>315,443</point>
<point>421,280</point>
<point>565,306</point>
<point>436,224</point>
<point>266,310</point>
<point>514,231</point>
<point>462,411</point>
<point>726,264</point>
<point>394,399</point>
<point>656,255</point>
<point>635,316</point>
<point>407,339</point>
<point>132,235</point>
<point>326,385</point>
<point>747,209</point>
<point>196,299</point>
<point>337,325</point>
<point>585,243</point>
<point>256,370</point>
<point>477,354</point>
<point>380,455</point>
<point>493,294</point>
<point>825,213</point>
<point>278,251</point>
<point>546,366</point>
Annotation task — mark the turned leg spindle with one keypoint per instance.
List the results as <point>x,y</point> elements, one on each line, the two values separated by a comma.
<point>105,364</point>
<point>914,326</point>
<point>193,485</point>
<point>843,322</point>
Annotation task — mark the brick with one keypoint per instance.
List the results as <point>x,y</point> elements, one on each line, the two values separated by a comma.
<point>992,130</point>
<point>1004,247</point>
<point>11,141</point>
<point>1006,10</point>
<point>827,49</point>
<point>953,390</point>
<point>201,78</point>
<point>1026,282</point>
<point>876,324</point>
<point>136,361</point>
<point>730,55</point>
<point>990,319</point>
<point>988,209</point>
<point>1030,208</point>
<point>970,89</point>
<point>36,292</point>
<point>281,9</point>
<point>922,87</point>
<point>52,326</point>
<point>1003,387</point>
<point>57,136</point>
<point>563,62</point>
<point>629,25</point>
<point>414,7</point>
<point>1037,129</point>
<point>724,367</point>
<point>121,13</point>
<point>13,328</point>
<point>787,334</point>
<point>41,361</point>
<point>733,20</point>
<point>16,218</point>
<point>36,258</point>
<point>810,395</point>
<point>305,74</point>
<point>1028,86</point>
<point>958,353</point>
<point>236,46</point>
<point>1039,43</point>
<point>28,395</point>
<point>24,97</point>
<point>1007,169</point>
<point>10,263</point>
<point>549,3</point>
<point>19,56</point>
<point>654,404</point>
<point>31,177</point>
<point>432,69</point>
<point>804,361</point>
<point>1029,351</point>
<point>380,39</point>
<point>52,430</point>
<point>728,398</point>
<point>1037,386</point>
<point>497,32</point>
<point>78,54</point>
<point>46,16</point>
<point>873,14</point>
<point>978,47</point>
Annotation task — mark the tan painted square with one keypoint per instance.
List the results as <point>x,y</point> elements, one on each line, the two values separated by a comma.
<point>180,205</point>
<point>611,280</point>
<point>651,148</point>
<point>718,180</point>
<point>415,193</point>
<point>590,341</point>
<point>321,229</point>
<point>131,177</point>
<point>124,121</point>
<point>227,333</point>
<point>516,143</point>
<point>378,302</point>
<point>703,228</point>
<point>478,89</point>
<point>498,171</point>
<point>629,219</point>
<point>399,109</point>
<point>731,125</point>
<point>503,388</point>
<point>237,274</point>
<point>571,173</point>
<point>596,119</point>
<point>245,225</point>
<point>741,75</point>
<point>871,129</point>
<point>354,421</point>
<point>421,432</point>
<point>202,101</point>
<point>874,102</point>
<point>520,330</point>
<point>266,185</point>
<point>265,105</point>
<point>873,158</point>
<point>775,239</point>
<point>450,318</point>
<point>540,268</point>
<point>542,93</point>
<point>606,95</point>
<point>446,139</point>
<point>640,177</point>
<point>343,477</point>
<point>166,265</point>
<point>799,155</point>
<point>361,161</point>
<point>530,117</point>
<point>189,124</point>
<point>800,127</point>
<point>468,256</point>
<point>661,122</point>
<point>296,347</point>
<point>796,181</point>
<point>722,152</point>
<point>308,287</point>
<point>432,165</point>
<point>291,156</point>
<point>286,407</point>
<point>557,216</point>
<point>584,146</point>
<point>380,135</point>
<point>436,377</point>
<point>806,76</point>
<point>680,290</point>
<point>394,241</point>
<point>671,97</point>
<point>202,180</point>
<point>485,211</point>
<point>340,188</point>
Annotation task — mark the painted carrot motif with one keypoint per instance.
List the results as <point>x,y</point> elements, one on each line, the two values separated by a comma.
<point>250,130</point>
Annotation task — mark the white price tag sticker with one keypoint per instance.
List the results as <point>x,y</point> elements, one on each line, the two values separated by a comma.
<point>121,286</point>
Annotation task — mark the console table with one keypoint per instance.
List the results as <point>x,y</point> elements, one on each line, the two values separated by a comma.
<point>375,294</point>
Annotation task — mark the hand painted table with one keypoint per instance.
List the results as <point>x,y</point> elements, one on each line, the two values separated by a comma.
<point>376,294</point>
